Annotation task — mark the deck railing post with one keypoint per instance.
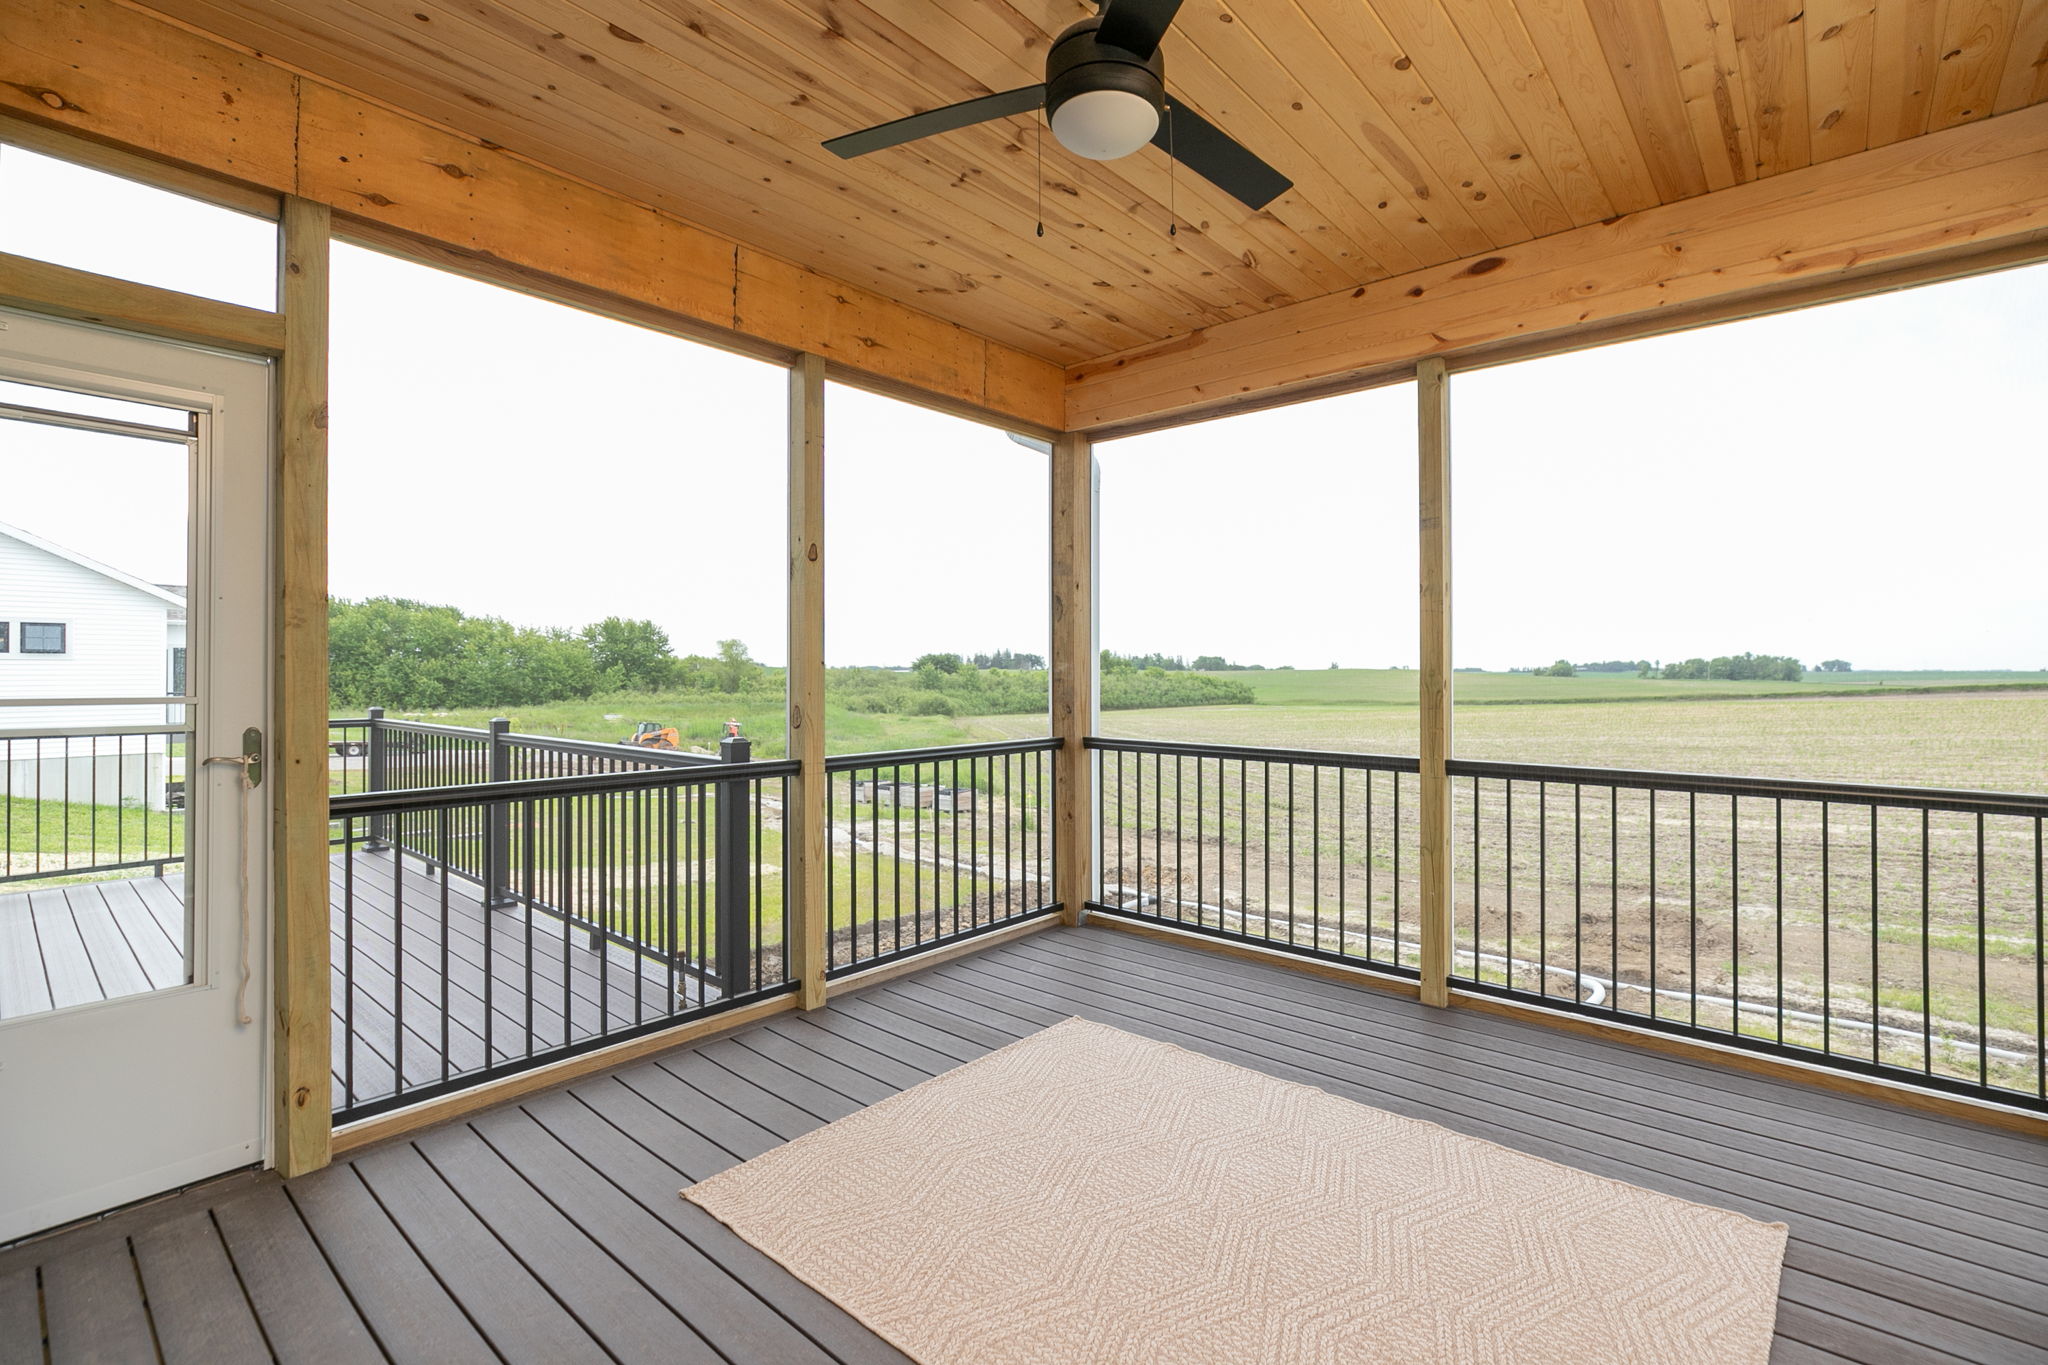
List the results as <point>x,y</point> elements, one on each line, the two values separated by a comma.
<point>1075,665</point>
<point>377,776</point>
<point>1434,524</point>
<point>732,886</point>
<point>497,861</point>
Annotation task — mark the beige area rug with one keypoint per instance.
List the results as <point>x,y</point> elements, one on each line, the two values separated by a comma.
<point>1086,1196</point>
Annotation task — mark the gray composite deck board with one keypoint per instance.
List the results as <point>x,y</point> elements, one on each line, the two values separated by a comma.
<point>549,1228</point>
<point>81,943</point>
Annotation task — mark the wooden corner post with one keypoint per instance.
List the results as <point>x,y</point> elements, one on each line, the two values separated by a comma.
<point>805,908</point>
<point>1074,666</point>
<point>1433,429</point>
<point>299,985</point>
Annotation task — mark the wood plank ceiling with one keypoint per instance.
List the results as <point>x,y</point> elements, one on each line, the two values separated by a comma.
<point>1416,131</point>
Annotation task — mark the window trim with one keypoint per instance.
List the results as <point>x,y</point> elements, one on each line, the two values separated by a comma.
<point>64,635</point>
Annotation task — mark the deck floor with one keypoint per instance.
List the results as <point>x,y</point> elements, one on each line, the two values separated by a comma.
<point>100,940</point>
<point>545,980</point>
<point>90,941</point>
<point>549,1229</point>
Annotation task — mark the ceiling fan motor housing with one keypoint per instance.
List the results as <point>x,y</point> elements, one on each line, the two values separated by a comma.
<point>1077,65</point>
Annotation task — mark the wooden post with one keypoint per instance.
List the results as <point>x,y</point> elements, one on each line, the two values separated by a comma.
<point>805,908</point>
<point>299,984</point>
<point>1434,497</point>
<point>1075,663</point>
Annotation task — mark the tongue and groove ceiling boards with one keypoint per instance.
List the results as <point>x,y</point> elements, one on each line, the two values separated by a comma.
<point>1417,132</point>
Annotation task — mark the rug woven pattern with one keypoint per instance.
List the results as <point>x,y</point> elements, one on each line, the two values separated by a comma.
<point>1086,1195</point>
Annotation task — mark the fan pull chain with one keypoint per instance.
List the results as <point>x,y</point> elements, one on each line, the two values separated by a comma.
<point>1172,164</point>
<point>1041,174</point>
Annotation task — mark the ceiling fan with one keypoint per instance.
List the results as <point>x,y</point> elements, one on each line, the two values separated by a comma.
<point>1105,97</point>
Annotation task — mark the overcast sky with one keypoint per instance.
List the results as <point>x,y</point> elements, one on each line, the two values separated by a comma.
<point>1863,481</point>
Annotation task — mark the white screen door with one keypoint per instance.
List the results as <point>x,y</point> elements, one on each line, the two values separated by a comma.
<point>134,874</point>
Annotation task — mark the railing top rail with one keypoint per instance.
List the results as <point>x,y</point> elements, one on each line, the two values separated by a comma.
<point>1801,789</point>
<point>357,804</point>
<point>99,732</point>
<point>1321,758</point>
<point>674,758</point>
<point>839,763</point>
<point>351,722</point>
<point>424,727</point>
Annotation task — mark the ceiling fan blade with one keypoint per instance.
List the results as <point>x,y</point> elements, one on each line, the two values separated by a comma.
<point>1218,157</point>
<point>962,115</point>
<point>1136,25</point>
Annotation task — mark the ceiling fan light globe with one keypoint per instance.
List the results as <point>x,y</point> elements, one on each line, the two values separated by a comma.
<point>1103,125</point>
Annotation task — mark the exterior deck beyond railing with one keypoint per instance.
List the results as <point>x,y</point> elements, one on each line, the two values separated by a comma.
<point>1892,931</point>
<point>505,900</point>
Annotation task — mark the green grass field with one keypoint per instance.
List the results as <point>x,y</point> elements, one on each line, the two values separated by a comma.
<point>701,718</point>
<point>1396,687</point>
<point>1991,735</point>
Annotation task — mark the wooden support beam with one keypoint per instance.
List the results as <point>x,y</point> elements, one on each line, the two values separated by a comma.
<point>1434,498</point>
<point>1946,197</point>
<point>60,291</point>
<point>299,981</point>
<point>1075,662</point>
<point>805,850</point>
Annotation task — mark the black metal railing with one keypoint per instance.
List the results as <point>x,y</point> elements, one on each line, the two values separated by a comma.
<point>376,753</point>
<point>1895,931</point>
<point>591,908</point>
<point>929,846</point>
<point>1302,850</point>
<point>83,802</point>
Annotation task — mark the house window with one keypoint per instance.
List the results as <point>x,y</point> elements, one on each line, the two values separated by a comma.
<point>178,670</point>
<point>3,637</point>
<point>42,637</point>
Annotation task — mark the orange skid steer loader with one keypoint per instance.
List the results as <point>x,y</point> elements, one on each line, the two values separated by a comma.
<point>652,736</point>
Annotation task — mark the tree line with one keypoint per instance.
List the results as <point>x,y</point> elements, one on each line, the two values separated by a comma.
<point>1723,668</point>
<point>1113,662</point>
<point>414,656</point>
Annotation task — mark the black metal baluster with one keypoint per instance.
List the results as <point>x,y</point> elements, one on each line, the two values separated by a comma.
<point>1926,964</point>
<point>1343,927</point>
<point>1692,909</point>
<point>1578,895</point>
<point>1983,1039</point>
<point>441,831</point>
<point>1735,913</point>
<point>1266,849</point>
<point>348,941</point>
<point>1827,974</point>
<point>1542,887</point>
<point>398,973</point>
<point>1876,983</point>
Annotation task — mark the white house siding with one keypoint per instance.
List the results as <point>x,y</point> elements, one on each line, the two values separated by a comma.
<point>117,642</point>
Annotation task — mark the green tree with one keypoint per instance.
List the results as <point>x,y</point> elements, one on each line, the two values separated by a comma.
<point>1834,666</point>
<point>944,663</point>
<point>735,669</point>
<point>630,656</point>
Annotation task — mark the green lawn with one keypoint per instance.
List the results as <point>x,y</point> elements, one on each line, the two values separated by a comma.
<point>701,718</point>
<point>84,835</point>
